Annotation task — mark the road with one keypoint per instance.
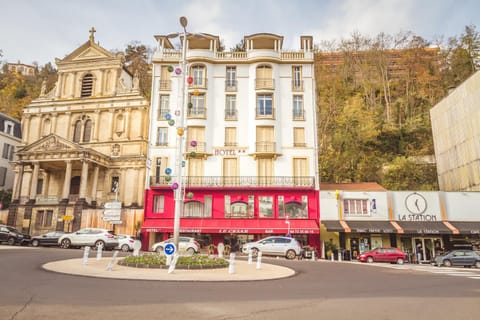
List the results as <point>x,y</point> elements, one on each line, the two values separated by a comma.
<point>319,290</point>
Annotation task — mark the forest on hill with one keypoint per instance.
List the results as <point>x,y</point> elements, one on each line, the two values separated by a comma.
<point>374,95</point>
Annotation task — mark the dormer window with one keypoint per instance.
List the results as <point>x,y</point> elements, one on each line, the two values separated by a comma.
<point>87,85</point>
<point>9,128</point>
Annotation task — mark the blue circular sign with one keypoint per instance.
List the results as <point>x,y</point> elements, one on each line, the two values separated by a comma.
<point>169,249</point>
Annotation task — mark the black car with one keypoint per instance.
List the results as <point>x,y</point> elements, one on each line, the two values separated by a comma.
<point>458,258</point>
<point>12,236</point>
<point>47,239</point>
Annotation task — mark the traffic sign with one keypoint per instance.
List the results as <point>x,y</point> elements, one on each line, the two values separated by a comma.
<point>169,249</point>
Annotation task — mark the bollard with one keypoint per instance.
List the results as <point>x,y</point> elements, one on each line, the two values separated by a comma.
<point>171,268</point>
<point>99,252</point>
<point>168,260</point>
<point>259,260</point>
<point>231,266</point>
<point>313,255</point>
<point>339,256</point>
<point>112,262</point>
<point>332,256</point>
<point>86,252</point>
<point>250,254</point>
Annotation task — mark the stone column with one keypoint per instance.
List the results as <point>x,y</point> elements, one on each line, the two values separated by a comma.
<point>25,128</point>
<point>83,180</point>
<point>112,123</point>
<point>95,183</point>
<point>66,181</point>
<point>34,182</point>
<point>69,126</point>
<point>127,123</point>
<point>58,89</point>
<point>17,184</point>
<point>96,125</point>
<point>140,189</point>
<point>53,128</point>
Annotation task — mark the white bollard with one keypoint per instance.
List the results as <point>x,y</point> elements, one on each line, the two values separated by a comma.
<point>231,266</point>
<point>220,249</point>
<point>250,254</point>
<point>86,252</point>
<point>168,260</point>
<point>99,252</point>
<point>112,262</point>
<point>259,260</point>
<point>332,257</point>
<point>339,256</point>
<point>313,255</point>
<point>172,265</point>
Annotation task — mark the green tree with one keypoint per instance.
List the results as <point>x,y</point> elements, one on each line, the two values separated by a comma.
<point>137,62</point>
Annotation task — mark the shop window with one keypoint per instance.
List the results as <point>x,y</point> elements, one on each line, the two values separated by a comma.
<point>158,203</point>
<point>265,207</point>
<point>193,209</point>
<point>355,207</point>
<point>296,210</point>
<point>44,218</point>
<point>238,207</point>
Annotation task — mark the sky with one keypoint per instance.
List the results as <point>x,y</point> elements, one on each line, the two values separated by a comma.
<point>40,31</point>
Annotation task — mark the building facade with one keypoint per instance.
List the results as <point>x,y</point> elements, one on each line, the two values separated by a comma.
<point>10,138</point>
<point>456,137</point>
<point>250,134</point>
<point>359,217</point>
<point>84,144</point>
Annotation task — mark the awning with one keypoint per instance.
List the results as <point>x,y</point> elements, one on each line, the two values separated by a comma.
<point>371,226</point>
<point>424,227</point>
<point>246,226</point>
<point>333,225</point>
<point>466,227</point>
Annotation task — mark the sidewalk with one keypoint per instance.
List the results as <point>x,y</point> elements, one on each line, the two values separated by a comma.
<point>98,268</point>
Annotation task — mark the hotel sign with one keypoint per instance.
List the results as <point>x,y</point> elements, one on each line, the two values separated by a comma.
<point>225,152</point>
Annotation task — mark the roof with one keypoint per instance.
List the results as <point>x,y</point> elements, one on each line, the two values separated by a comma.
<point>352,186</point>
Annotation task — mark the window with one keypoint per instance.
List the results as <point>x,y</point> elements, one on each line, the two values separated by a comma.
<point>193,209</point>
<point>300,172</point>
<point>87,130</point>
<point>164,107</point>
<point>8,151</point>
<point>198,74</point>
<point>162,136</point>
<point>230,137</point>
<point>196,134</point>
<point>281,207</point>
<point>165,80</point>
<point>231,78</point>
<point>160,166</point>
<point>9,128</point>
<point>264,105</point>
<point>158,203</point>
<point>197,107</point>
<point>299,137</point>
<point>115,184</point>
<point>264,78</point>
<point>3,176</point>
<point>295,209</point>
<point>77,131</point>
<point>297,83</point>
<point>44,218</point>
<point>82,127</point>
<point>298,113</point>
<point>87,85</point>
<point>355,206</point>
<point>238,207</point>
<point>265,142</point>
<point>39,186</point>
<point>265,206</point>
<point>230,107</point>
<point>230,171</point>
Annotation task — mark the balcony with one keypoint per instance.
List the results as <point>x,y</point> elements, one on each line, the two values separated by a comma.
<point>239,181</point>
<point>198,83</point>
<point>165,85</point>
<point>297,85</point>
<point>196,113</point>
<point>162,113</point>
<point>265,113</point>
<point>298,114</point>
<point>231,114</point>
<point>201,147</point>
<point>230,85</point>
<point>265,147</point>
<point>264,84</point>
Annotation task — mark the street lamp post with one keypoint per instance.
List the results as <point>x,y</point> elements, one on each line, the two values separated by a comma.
<point>181,128</point>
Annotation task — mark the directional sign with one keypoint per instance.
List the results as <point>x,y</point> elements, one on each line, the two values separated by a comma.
<point>169,249</point>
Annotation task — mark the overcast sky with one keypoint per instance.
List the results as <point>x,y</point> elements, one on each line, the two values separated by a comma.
<point>42,30</point>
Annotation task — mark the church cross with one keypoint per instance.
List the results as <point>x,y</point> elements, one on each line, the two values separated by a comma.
<point>92,31</point>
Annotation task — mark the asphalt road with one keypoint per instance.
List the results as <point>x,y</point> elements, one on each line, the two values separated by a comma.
<point>319,290</point>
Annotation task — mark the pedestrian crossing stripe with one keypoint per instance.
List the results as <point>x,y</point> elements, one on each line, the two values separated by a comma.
<point>476,278</point>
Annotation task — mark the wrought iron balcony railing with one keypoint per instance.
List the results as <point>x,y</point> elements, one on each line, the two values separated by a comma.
<point>239,181</point>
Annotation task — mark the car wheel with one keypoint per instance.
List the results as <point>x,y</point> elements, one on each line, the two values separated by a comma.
<point>400,261</point>
<point>369,259</point>
<point>477,264</point>
<point>65,244</point>
<point>35,243</point>
<point>125,248</point>
<point>98,244</point>
<point>254,252</point>
<point>190,251</point>
<point>291,254</point>
<point>447,263</point>
<point>159,250</point>
<point>11,241</point>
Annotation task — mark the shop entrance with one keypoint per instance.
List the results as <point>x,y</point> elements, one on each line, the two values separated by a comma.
<point>427,247</point>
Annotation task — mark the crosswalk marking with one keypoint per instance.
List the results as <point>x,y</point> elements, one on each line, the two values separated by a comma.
<point>434,270</point>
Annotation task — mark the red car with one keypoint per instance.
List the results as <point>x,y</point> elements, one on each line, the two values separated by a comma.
<point>383,254</point>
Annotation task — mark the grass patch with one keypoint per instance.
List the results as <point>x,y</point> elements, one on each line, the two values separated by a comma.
<point>196,261</point>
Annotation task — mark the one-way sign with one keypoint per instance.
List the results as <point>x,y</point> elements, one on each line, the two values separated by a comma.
<point>170,249</point>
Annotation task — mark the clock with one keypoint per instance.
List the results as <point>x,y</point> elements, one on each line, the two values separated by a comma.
<point>416,203</point>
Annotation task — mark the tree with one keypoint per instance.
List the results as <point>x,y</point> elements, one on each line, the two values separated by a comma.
<point>137,62</point>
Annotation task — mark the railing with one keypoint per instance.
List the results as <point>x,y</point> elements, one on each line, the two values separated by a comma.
<point>162,113</point>
<point>165,85</point>
<point>265,113</point>
<point>264,83</point>
<point>231,55</point>
<point>294,55</point>
<point>239,181</point>
<point>200,147</point>
<point>237,55</point>
<point>198,83</point>
<point>230,114</point>
<point>297,85</point>
<point>265,147</point>
<point>298,114</point>
<point>230,85</point>
<point>299,144</point>
<point>196,113</point>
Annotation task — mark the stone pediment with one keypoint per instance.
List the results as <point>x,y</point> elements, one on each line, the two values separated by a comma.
<point>89,50</point>
<point>52,142</point>
<point>90,53</point>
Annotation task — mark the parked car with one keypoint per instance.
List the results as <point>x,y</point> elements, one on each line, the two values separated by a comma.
<point>383,254</point>
<point>12,236</point>
<point>275,246</point>
<point>47,239</point>
<point>464,258</point>
<point>125,242</point>
<point>93,237</point>
<point>185,244</point>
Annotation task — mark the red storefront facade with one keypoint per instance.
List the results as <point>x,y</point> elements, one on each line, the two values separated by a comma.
<point>233,215</point>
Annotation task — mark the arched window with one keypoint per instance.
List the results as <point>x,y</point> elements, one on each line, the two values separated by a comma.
<point>87,85</point>
<point>77,131</point>
<point>193,209</point>
<point>87,131</point>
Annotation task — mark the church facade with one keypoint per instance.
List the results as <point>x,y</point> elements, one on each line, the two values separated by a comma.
<point>84,145</point>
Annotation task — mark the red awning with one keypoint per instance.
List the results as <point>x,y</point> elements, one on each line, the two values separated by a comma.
<point>246,226</point>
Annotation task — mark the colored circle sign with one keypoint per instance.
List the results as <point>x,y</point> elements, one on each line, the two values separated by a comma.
<point>168,116</point>
<point>193,143</point>
<point>190,80</point>
<point>178,71</point>
<point>168,171</point>
<point>190,195</point>
<point>169,249</point>
<point>170,69</point>
<point>177,112</point>
<point>174,186</point>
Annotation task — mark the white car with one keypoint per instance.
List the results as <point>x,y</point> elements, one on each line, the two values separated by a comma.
<point>185,244</point>
<point>92,237</point>
<point>275,246</point>
<point>125,242</point>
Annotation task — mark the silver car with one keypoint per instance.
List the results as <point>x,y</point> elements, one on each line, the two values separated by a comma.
<point>185,244</point>
<point>92,237</point>
<point>275,246</point>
